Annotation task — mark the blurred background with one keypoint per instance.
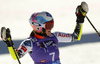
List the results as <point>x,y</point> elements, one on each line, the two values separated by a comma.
<point>15,14</point>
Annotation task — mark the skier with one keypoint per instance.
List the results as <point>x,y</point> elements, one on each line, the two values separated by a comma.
<point>42,45</point>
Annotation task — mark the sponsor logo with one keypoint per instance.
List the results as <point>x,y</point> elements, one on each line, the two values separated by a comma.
<point>63,35</point>
<point>42,61</point>
<point>38,44</point>
<point>23,48</point>
<point>27,43</point>
<point>48,43</point>
<point>34,39</point>
<point>48,14</point>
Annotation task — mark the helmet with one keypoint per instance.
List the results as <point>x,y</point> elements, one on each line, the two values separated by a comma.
<point>41,21</point>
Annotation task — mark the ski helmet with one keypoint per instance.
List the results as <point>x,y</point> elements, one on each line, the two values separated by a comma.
<point>41,21</point>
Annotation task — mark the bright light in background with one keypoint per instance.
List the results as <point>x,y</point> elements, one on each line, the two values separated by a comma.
<point>15,15</point>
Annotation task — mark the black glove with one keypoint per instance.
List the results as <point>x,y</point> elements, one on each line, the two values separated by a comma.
<point>6,37</point>
<point>81,11</point>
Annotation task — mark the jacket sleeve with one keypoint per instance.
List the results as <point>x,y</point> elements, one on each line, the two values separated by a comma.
<point>25,47</point>
<point>75,36</point>
<point>63,37</point>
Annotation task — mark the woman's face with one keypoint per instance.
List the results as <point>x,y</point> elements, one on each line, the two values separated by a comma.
<point>48,32</point>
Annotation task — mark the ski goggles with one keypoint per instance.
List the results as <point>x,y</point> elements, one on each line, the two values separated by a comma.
<point>47,25</point>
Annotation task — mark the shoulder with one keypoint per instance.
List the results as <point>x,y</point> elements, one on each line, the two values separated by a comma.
<point>26,42</point>
<point>33,39</point>
<point>26,46</point>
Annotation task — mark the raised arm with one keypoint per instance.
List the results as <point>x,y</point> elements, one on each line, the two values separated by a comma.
<point>6,37</point>
<point>25,46</point>
<point>81,11</point>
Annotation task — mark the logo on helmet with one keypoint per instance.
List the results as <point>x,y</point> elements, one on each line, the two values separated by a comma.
<point>48,14</point>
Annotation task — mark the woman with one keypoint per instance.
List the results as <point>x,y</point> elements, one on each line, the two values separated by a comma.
<point>42,45</point>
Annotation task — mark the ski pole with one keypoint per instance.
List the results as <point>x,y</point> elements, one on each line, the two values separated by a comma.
<point>17,57</point>
<point>6,37</point>
<point>85,4</point>
<point>92,26</point>
<point>16,54</point>
<point>91,23</point>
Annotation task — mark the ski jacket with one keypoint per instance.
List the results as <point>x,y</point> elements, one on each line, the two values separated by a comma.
<point>45,51</point>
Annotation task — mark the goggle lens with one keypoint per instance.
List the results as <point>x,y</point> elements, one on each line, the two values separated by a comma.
<point>49,25</point>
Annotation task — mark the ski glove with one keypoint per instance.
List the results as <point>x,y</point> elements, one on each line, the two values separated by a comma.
<point>6,37</point>
<point>81,12</point>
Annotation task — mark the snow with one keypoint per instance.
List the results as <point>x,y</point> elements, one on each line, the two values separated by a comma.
<point>14,14</point>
